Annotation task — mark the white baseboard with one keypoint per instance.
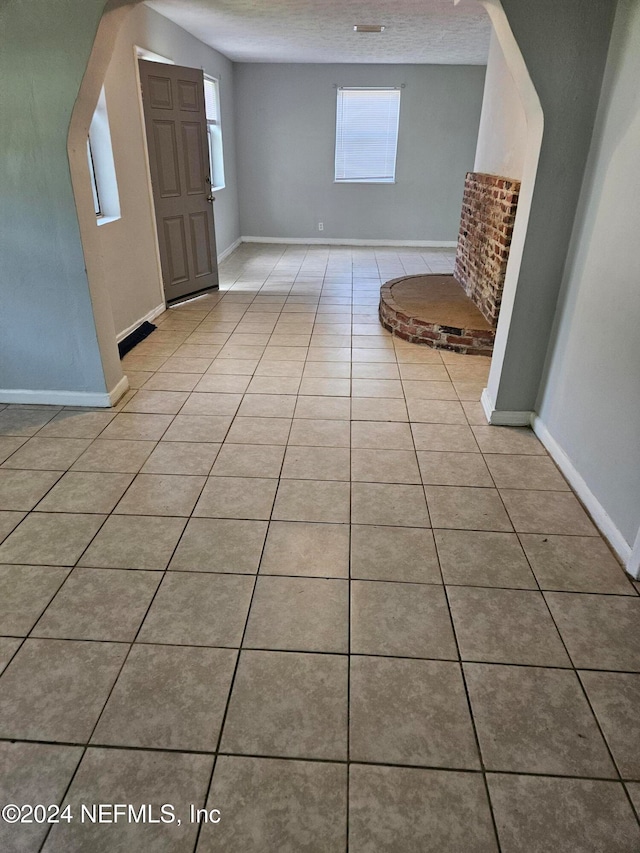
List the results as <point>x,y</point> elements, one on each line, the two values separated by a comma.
<point>229,249</point>
<point>598,513</point>
<point>498,418</point>
<point>155,312</point>
<point>120,389</point>
<point>344,241</point>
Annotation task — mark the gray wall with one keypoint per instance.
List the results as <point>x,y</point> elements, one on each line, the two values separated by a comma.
<point>286,118</point>
<point>564,46</point>
<point>47,334</point>
<point>590,401</point>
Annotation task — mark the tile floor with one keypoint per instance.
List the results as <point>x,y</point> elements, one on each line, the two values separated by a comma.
<point>295,576</point>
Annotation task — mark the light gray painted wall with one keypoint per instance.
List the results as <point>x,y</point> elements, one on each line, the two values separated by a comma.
<point>128,246</point>
<point>286,139</point>
<point>564,46</point>
<point>590,399</point>
<point>48,338</point>
<point>502,136</point>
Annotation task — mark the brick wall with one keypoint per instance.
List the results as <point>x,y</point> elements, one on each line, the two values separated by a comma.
<point>488,212</point>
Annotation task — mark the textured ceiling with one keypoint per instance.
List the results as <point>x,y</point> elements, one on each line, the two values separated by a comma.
<point>417,31</point>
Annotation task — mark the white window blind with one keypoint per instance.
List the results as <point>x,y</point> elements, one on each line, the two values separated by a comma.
<point>214,131</point>
<point>367,135</point>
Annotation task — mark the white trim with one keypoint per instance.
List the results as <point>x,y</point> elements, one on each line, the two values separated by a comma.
<point>155,312</point>
<point>598,513</point>
<point>229,250</point>
<point>65,398</point>
<point>633,563</point>
<point>120,390</point>
<point>345,241</point>
<point>497,418</point>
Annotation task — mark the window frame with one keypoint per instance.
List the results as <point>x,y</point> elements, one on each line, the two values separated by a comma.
<point>214,137</point>
<point>339,136</point>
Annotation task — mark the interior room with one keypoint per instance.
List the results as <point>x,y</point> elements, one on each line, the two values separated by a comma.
<point>319,417</point>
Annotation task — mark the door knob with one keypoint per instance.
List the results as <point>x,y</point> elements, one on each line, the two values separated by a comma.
<point>211,199</point>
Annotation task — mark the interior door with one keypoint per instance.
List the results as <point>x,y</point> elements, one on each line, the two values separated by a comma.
<point>176,125</point>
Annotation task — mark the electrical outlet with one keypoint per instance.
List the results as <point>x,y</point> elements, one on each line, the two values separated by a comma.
<point>320,226</point>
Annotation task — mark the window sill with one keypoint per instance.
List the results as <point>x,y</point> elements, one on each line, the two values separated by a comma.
<point>217,189</point>
<point>105,220</point>
<point>372,181</point>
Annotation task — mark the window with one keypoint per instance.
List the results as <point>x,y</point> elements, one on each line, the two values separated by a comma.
<point>102,170</point>
<point>214,132</point>
<point>367,135</point>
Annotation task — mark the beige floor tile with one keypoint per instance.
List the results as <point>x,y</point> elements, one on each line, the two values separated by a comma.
<point>119,456</point>
<point>547,512</point>
<point>436,411</point>
<point>525,472</point>
<point>237,497</point>
<point>411,354</point>
<point>128,426</point>
<point>315,387</point>
<point>384,466</point>
<point>249,460</point>
<point>274,384</point>
<point>220,383</point>
<point>139,778</point>
<point>325,408</point>
<point>428,810</point>
<point>575,564</point>
<point>561,814</point>
<point>230,367</point>
<point>379,435</point>
<point>134,542</point>
<point>48,454</point>
<point>415,389</point>
<point>316,463</point>
<point>312,500</point>
<point>25,591</point>
<point>171,382</point>
<point>374,370</point>
<point>50,539</point>
<point>198,428</point>
<point>411,712</point>
<point>424,372</point>
<point>185,365</point>
<point>220,545</point>
<point>511,440</point>
<point>470,391</point>
<point>161,494</point>
<point>21,490</point>
<point>8,647</point>
<point>76,424</point>
<point>442,468</point>
<point>614,697</point>
<point>168,697</point>
<point>306,549</point>
<point>386,388</point>
<point>25,420</point>
<point>466,508</point>
<point>95,604</point>
<point>288,704</point>
<point>535,720</point>
<point>478,558</point>
<point>33,773</point>
<point>157,402</point>
<point>393,554</point>
<point>599,631</point>
<point>8,522</point>
<point>273,805</point>
<point>267,406</point>
<point>299,614</point>
<point>54,690</point>
<point>327,370</point>
<point>280,368</point>
<point>79,491</point>
<point>401,619</point>
<point>505,626</point>
<point>211,404</point>
<point>474,413</point>
<point>378,409</point>
<point>312,432</point>
<point>176,457</point>
<point>456,438</point>
<point>259,431</point>
<point>367,355</point>
<point>9,444</point>
<point>389,504</point>
<point>198,609</point>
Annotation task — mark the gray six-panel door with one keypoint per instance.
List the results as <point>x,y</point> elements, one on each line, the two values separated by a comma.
<point>176,127</point>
